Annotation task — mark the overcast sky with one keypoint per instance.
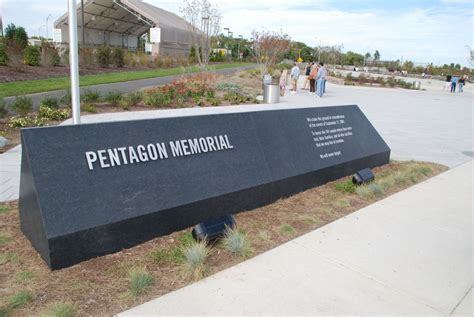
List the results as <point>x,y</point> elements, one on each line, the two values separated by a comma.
<point>435,31</point>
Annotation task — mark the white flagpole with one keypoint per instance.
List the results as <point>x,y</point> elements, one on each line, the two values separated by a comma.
<point>74,63</point>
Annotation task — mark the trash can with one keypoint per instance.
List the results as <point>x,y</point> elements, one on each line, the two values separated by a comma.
<point>417,85</point>
<point>271,93</point>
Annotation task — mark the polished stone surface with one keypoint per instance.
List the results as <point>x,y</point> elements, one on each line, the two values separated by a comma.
<point>74,204</point>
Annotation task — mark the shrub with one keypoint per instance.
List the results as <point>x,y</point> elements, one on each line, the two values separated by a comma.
<point>26,121</point>
<point>140,280</point>
<point>236,242</point>
<point>60,309</point>
<point>157,99</point>
<point>66,99</point>
<point>32,56</point>
<point>196,255</point>
<point>103,56</point>
<point>53,114</point>
<point>118,57</point>
<point>87,107</point>
<point>3,54</point>
<point>50,102</point>
<point>22,105</point>
<point>54,58</point>
<point>90,96</point>
<point>3,108</point>
<point>236,98</point>
<point>113,97</point>
<point>131,100</point>
<point>20,299</point>
<point>86,56</point>
<point>228,87</point>
<point>346,186</point>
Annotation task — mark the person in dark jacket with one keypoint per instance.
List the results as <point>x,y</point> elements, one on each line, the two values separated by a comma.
<point>447,85</point>
<point>461,83</point>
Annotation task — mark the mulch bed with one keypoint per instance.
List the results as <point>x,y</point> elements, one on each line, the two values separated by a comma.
<point>98,287</point>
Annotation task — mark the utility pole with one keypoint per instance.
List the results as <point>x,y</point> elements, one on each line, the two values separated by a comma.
<point>74,63</point>
<point>1,26</point>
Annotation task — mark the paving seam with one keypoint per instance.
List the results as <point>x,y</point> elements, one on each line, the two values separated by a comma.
<point>460,301</point>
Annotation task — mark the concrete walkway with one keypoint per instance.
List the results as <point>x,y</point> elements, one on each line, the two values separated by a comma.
<point>408,254</point>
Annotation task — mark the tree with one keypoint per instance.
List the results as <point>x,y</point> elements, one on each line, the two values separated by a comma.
<point>204,24</point>
<point>367,55</point>
<point>377,55</point>
<point>16,35</point>
<point>408,66</point>
<point>351,58</point>
<point>269,47</point>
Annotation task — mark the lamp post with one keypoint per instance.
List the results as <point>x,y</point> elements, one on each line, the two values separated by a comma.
<point>206,20</point>
<point>47,19</point>
<point>319,49</point>
<point>238,45</point>
<point>74,63</point>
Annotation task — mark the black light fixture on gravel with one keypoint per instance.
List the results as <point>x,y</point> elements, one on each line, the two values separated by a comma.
<point>214,229</point>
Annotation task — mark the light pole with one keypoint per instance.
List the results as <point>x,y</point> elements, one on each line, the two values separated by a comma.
<point>47,19</point>
<point>74,63</point>
<point>207,20</point>
<point>319,49</point>
<point>238,47</point>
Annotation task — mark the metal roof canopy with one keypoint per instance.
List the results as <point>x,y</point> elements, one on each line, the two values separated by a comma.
<point>131,17</point>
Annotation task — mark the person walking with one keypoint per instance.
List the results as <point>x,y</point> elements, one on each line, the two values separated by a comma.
<point>454,81</point>
<point>320,78</point>
<point>461,83</point>
<point>295,75</point>
<point>307,71</point>
<point>447,84</point>
<point>312,79</point>
<point>283,80</point>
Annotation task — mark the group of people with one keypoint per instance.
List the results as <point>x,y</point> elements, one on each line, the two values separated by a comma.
<point>453,81</point>
<point>315,76</point>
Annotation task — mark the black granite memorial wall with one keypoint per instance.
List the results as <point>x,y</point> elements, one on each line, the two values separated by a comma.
<point>93,189</point>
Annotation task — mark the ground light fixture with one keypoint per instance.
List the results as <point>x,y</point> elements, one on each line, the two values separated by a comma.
<point>214,229</point>
<point>363,176</point>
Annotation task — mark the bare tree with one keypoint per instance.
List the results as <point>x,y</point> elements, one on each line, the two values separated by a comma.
<point>204,22</point>
<point>269,48</point>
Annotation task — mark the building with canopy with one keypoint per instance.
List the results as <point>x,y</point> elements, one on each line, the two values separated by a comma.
<point>121,23</point>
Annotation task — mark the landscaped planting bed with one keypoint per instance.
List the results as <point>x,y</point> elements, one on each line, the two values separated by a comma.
<point>199,90</point>
<point>112,283</point>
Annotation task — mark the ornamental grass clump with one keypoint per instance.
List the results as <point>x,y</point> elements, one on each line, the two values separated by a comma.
<point>60,309</point>
<point>140,281</point>
<point>236,242</point>
<point>195,256</point>
<point>22,105</point>
<point>20,299</point>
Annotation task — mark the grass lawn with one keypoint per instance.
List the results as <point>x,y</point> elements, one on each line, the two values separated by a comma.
<point>25,87</point>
